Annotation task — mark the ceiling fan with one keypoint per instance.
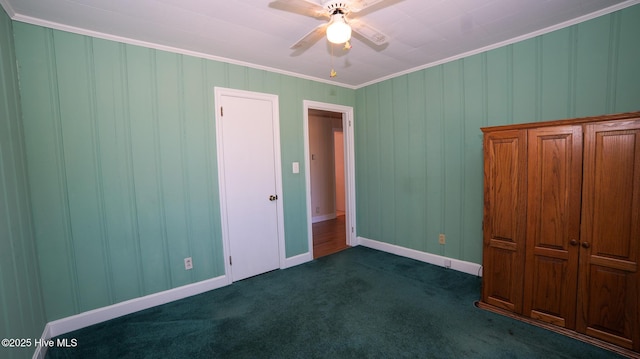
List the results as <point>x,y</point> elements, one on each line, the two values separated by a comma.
<point>342,20</point>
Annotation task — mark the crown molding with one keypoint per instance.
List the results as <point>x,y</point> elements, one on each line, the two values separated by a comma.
<point>152,45</point>
<point>81,31</point>
<point>514,40</point>
<point>8,8</point>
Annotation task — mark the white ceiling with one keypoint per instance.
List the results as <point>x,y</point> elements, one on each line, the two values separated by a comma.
<point>258,33</point>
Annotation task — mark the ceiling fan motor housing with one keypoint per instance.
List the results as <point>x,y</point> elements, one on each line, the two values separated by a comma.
<point>337,7</point>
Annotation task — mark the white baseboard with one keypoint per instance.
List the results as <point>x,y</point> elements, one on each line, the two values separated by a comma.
<point>297,260</point>
<point>455,264</point>
<point>41,351</point>
<point>324,217</point>
<point>82,320</point>
<point>78,321</point>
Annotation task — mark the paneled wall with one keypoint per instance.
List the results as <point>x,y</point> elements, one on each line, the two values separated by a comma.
<point>21,304</point>
<point>418,139</point>
<point>122,165</point>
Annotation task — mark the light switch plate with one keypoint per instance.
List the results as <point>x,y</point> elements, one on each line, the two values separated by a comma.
<point>296,167</point>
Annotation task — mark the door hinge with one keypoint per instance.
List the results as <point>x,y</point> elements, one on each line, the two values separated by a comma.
<point>221,112</point>
<point>230,262</point>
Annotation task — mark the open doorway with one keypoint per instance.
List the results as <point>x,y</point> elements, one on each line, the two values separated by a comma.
<point>329,162</point>
<point>326,161</point>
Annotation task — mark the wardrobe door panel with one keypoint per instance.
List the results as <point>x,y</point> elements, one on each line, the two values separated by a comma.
<point>554,169</point>
<point>609,280</point>
<point>504,218</point>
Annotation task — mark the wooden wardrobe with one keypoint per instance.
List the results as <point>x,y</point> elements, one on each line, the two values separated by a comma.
<point>562,225</point>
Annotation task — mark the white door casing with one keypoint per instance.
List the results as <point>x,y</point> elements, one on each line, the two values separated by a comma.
<point>338,153</point>
<point>250,180</point>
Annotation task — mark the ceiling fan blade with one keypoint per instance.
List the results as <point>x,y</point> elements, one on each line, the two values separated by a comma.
<point>358,5</point>
<point>311,37</point>
<point>368,32</point>
<point>312,2</point>
<point>303,7</point>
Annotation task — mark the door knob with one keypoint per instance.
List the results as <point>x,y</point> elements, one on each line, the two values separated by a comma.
<point>273,197</point>
<point>585,244</point>
<point>573,242</point>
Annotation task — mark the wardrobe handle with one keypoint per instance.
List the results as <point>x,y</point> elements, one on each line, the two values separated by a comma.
<point>573,242</point>
<point>585,244</point>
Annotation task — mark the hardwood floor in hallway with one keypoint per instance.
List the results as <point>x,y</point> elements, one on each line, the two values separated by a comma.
<point>329,237</point>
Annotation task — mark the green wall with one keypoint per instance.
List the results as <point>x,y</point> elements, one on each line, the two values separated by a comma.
<point>122,166</point>
<point>418,139</point>
<point>21,303</point>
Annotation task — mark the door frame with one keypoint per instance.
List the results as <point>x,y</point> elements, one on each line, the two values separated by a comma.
<point>349,164</point>
<point>218,93</point>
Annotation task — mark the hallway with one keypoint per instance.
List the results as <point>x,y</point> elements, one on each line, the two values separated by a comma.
<point>329,237</point>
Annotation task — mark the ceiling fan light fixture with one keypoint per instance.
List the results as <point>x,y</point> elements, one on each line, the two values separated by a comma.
<point>338,31</point>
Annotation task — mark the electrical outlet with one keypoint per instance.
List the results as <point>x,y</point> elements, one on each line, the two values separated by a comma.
<point>188,263</point>
<point>447,263</point>
<point>441,238</point>
<point>317,210</point>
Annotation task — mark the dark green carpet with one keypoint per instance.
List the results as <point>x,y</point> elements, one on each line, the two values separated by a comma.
<point>359,303</point>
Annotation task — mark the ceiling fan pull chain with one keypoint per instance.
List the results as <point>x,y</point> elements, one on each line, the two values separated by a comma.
<point>333,72</point>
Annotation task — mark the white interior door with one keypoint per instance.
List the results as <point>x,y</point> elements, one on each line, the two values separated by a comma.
<point>249,168</point>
